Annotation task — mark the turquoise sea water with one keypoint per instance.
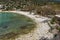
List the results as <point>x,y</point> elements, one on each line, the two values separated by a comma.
<point>11,22</point>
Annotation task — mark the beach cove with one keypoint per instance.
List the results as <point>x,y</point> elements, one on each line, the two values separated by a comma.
<point>40,31</point>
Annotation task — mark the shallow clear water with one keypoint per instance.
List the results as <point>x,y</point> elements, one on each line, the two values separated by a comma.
<point>11,22</point>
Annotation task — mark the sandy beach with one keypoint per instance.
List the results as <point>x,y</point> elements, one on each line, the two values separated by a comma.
<point>42,29</point>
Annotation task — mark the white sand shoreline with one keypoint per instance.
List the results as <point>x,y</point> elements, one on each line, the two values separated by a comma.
<point>40,31</point>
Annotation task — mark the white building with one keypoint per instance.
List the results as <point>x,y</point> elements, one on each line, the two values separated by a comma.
<point>58,15</point>
<point>1,6</point>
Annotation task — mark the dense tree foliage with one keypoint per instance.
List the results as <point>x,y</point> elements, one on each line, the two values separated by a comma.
<point>23,3</point>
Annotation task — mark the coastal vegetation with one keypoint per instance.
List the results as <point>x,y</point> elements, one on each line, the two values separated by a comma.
<point>55,23</point>
<point>27,4</point>
<point>47,11</point>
